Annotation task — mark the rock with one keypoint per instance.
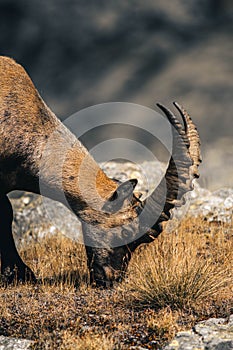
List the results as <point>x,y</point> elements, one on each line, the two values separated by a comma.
<point>214,206</point>
<point>148,173</point>
<point>36,217</point>
<point>212,334</point>
<point>7,343</point>
<point>186,341</point>
<point>217,333</point>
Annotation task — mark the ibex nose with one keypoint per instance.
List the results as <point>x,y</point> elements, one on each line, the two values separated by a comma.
<point>104,276</point>
<point>98,277</point>
<point>112,275</point>
<point>109,273</point>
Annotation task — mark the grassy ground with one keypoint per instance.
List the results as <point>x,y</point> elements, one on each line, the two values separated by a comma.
<point>183,277</point>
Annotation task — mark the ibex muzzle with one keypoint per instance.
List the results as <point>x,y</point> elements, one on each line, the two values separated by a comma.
<point>114,226</point>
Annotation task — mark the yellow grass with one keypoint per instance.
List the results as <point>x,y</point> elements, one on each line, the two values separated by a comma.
<point>88,342</point>
<point>183,268</point>
<point>181,278</point>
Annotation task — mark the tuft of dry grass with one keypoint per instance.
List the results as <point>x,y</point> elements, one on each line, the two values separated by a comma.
<point>87,342</point>
<point>57,260</point>
<point>181,278</point>
<point>183,268</point>
<point>164,323</point>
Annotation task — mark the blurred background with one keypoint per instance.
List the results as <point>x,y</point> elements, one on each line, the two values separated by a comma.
<point>82,53</point>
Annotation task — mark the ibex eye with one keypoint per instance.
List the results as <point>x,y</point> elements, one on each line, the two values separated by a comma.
<point>114,197</point>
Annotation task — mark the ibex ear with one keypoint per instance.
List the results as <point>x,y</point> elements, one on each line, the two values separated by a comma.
<point>124,191</point>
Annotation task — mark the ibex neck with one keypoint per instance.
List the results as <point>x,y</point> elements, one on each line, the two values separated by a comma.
<point>66,169</point>
<point>73,176</point>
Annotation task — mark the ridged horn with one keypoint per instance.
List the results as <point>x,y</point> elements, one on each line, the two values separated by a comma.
<point>182,169</point>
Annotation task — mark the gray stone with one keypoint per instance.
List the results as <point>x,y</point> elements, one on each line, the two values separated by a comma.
<point>7,343</point>
<point>212,334</point>
<point>185,341</point>
<point>216,206</point>
<point>148,173</point>
<point>36,217</point>
<point>216,333</point>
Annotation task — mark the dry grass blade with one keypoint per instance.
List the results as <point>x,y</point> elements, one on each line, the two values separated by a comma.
<point>57,260</point>
<point>88,342</point>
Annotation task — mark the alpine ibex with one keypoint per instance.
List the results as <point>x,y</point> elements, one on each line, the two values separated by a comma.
<point>114,220</point>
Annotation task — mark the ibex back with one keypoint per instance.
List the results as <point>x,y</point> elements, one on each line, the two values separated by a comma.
<point>36,148</point>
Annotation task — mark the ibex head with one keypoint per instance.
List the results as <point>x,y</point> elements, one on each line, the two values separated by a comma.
<point>133,222</point>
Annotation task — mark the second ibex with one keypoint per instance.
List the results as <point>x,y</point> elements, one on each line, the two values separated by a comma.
<point>36,150</point>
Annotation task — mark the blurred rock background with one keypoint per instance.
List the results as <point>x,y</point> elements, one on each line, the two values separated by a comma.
<point>81,53</point>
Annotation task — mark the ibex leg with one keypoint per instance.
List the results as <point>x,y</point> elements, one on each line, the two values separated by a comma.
<point>12,266</point>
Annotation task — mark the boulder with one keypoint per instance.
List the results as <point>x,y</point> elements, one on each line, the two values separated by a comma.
<point>8,343</point>
<point>212,334</point>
